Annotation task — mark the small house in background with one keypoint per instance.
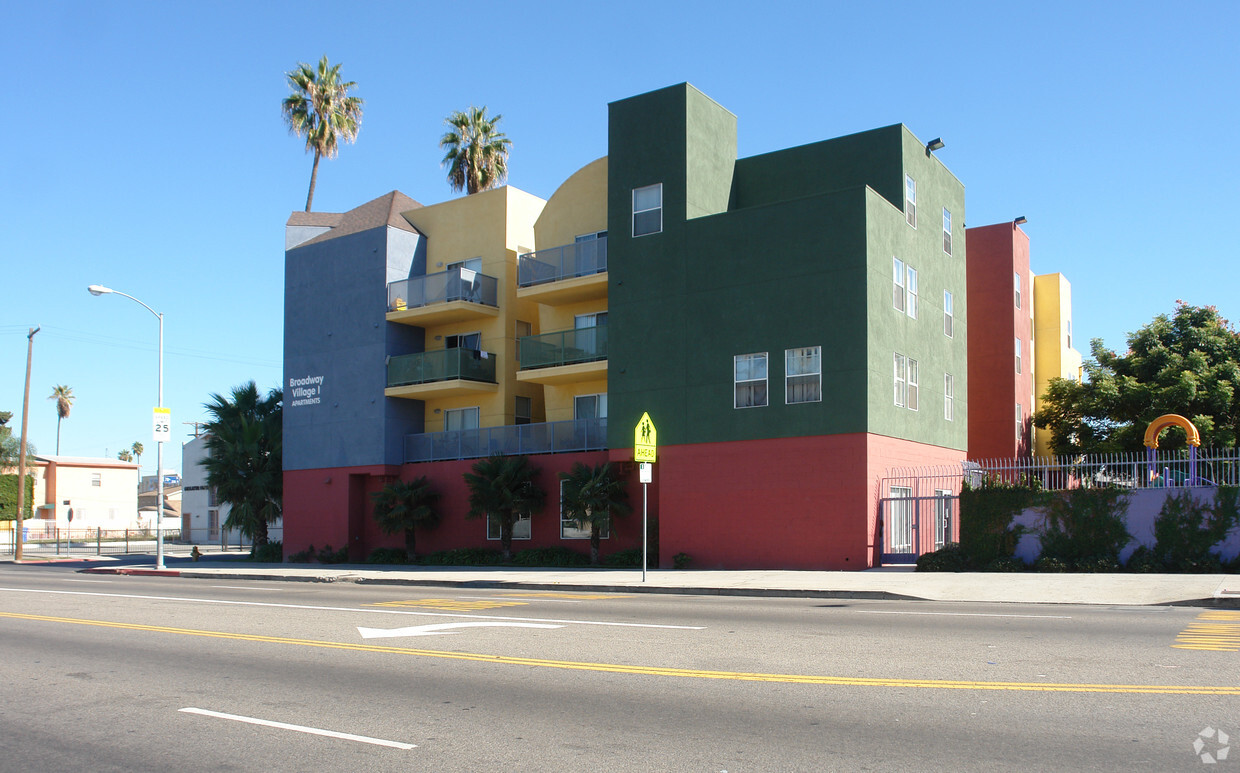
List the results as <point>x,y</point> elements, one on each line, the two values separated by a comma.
<point>202,516</point>
<point>101,493</point>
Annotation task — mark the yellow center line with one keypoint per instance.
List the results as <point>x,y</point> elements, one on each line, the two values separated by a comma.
<point>836,681</point>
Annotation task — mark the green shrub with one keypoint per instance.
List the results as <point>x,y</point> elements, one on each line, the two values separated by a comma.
<point>329,556</point>
<point>1143,561</point>
<point>464,557</point>
<point>624,559</point>
<point>1186,529</point>
<point>682,560</point>
<point>271,553</point>
<point>387,556</point>
<point>1086,526</point>
<point>949,558</point>
<point>302,556</point>
<point>556,556</point>
<point>1097,565</point>
<point>8,497</point>
<point>986,513</point>
<point>1006,564</point>
<point>1051,564</point>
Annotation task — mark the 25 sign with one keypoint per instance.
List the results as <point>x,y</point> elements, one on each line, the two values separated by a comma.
<point>163,425</point>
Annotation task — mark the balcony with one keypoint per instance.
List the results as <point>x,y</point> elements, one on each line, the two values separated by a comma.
<point>547,438</point>
<point>455,295</point>
<point>563,357</point>
<point>442,373</point>
<point>565,274</point>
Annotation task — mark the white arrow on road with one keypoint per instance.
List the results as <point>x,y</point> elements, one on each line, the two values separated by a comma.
<point>440,628</point>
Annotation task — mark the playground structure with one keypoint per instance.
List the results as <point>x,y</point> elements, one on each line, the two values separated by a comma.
<point>1155,429</point>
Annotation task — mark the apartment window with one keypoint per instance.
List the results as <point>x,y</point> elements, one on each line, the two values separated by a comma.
<point>96,480</point>
<point>523,410</point>
<point>1018,356</point>
<point>911,284</point>
<point>949,397</point>
<point>460,418</point>
<point>522,329</point>
<point>1016,280</point>
<point>901,383</point>
<point>949,319</point>
<point>942,517</point>
<point>900,524</point>
<point>463,341</point>
<point>910,200</point>
<point>947,231</point>
<point>590,406</point>
<point>912,383</point>
<point>749,374</point>
<point>1020,424</point>
<point>803,375</point>
<point>1069,334</point>
<point>899,298</point>
<point>520,527</point>
<point>648,210</point>
<point>569,528</point>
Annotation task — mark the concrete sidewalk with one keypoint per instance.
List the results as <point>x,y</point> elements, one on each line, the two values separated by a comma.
<point>1106,589</point>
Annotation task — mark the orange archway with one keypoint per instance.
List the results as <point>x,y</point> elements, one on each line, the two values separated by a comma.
<point>1171,420</point>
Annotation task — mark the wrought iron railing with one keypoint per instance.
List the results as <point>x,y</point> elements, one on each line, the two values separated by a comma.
<point>512,440</point>
<point>565,347</point>
<point>441,365</point>
<point>564,262</point>
<point>456,284</point>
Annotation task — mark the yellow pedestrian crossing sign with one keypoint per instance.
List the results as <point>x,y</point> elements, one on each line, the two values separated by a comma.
<point>644,440</point>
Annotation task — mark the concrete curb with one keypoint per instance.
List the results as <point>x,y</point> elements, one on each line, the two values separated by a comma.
<point>132,571</point>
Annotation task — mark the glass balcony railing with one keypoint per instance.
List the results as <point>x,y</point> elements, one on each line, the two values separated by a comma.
<point>547,438</point>
<point>441,365</point>
<point>457,284</point>
<point>566,347</point>
<point>565,262</point>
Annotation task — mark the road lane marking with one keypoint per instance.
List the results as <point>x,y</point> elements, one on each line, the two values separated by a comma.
<point>558,601</point>
<point>301,728</point>
<point>956,614</point>
<point>565,596</point>
<point>1216,630</point>
<point>67,580</point>
<point>451,605</point>
<point>371,610</point>
<point>613,668</point>
<point>237,587</point>
<point>438,629</point>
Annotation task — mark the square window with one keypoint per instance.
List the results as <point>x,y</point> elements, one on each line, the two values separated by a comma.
<point>949,320</point>
<point>590,406</point>
<point>569,528</point>
<point>749,378</point>
<point>460,419</point>
<point>803,375</point>
<point>648,210</point>
<point>96,480</point>
<point>520,527</point>
<point>949,397</point>
<point>898,297</point>
<point>947,231</point>
<point>910,200</point>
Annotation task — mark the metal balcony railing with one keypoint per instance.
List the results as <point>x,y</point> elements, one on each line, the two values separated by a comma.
<point>513,440</point>
<point>457,284</point>
<point>566,347</point>
<point>441,365</point>
<point>564,262</point>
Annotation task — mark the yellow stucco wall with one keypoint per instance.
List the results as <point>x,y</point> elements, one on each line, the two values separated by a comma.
<point>1054,356</point>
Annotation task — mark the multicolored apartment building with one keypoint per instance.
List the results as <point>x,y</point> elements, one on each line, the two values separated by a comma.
<point>795,324</point>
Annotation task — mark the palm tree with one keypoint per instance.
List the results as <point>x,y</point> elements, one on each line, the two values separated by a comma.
<point>244,458</point>
<point>477,152</point>
<point>321,110</point>
<point>63,396</point>
<point>402,507</point>
<point>590,496</point>
<point>137,452</point>
<point>124,456</point>
<point>503,488</point>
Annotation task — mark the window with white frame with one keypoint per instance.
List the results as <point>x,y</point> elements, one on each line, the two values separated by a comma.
<point>1020,424</point>
<point>749,374</point>
<point>96,479</point>
<point>1018,356</point>
<point>460,418</point>
<point>900,380</point>
<point>803,375</point>
<point>947,231</point>
<point>1016,281</point>
<point>949,397</point>
<point>900,524</point>
<point>910,200</point>
<point>899,298</point>
<point>1069,334</point>
<point>590,406</point>
<point>569,528</point>
<point>949,319</point>
<point>911,284</point>
<point>648,210</point>
<point>912,383</point>
<point>520,527</point>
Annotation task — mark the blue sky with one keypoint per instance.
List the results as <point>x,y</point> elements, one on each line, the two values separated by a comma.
<point>145,151</point>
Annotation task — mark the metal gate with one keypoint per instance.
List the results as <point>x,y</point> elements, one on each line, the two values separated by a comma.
<point>911,526</point>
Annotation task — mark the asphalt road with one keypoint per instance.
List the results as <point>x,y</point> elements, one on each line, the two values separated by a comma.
<point>112,673</point>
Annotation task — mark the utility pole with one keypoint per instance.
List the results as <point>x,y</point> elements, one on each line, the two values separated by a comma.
<point>21,449</point>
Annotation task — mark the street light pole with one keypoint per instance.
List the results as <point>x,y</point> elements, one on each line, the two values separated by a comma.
<point>159,443</point>
<point>21,447</point>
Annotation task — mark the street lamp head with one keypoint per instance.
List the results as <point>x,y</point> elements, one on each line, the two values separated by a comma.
<point>98,290</point>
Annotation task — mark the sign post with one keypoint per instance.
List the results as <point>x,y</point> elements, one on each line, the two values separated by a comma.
<point>644,448</point>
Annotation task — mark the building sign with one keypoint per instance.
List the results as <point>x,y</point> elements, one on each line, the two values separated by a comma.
<point>305,391</point>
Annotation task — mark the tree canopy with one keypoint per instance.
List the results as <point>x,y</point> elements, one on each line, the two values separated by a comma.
<point>503,488</point>
<point>476,150</point>
<point>1187,363</point>
<point>321,110</point>
<point>244,462</point>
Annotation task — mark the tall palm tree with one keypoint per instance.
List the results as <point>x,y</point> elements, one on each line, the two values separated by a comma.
<point>63,396</point>
<point>244,458</point>
<point>477,152</point>
<point>590,496</point>
<point>124,456</point>
<point>503,488</point>
<point>137,452</point>
<point>321,110</point>
<point>403,506</point>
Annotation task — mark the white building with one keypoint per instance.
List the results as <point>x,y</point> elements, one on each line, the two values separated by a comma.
<point>100,494</point>
<point>202,517</point>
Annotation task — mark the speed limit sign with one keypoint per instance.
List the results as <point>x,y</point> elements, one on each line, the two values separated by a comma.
<point>163,425</point>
